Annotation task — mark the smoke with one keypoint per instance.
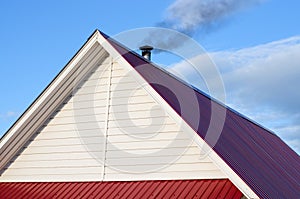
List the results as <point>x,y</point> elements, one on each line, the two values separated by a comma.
<point>191,16</point>
<point>188,16</point>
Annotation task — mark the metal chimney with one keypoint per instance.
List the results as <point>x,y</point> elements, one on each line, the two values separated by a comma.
<point>146,52</point>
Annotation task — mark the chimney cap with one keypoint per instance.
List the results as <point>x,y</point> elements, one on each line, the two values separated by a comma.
<point>146,47</point>
<point>146,51</point>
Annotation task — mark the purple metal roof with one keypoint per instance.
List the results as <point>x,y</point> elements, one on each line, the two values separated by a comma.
<point>265,163</point>
<point>131,189</point>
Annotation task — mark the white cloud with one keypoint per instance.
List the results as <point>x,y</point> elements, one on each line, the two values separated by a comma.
<point>261,82</point>
<point>8,115</point>
<point>6,120</point>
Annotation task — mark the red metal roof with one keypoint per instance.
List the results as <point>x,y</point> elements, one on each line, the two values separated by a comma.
<point>134,189</point>
<point>261,159</point>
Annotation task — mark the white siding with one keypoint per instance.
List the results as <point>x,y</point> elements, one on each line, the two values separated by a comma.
<point>144,142</point>
<point>59,151</point>
<point>111,118</point>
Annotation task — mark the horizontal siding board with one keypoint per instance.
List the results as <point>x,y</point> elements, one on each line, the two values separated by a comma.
<point>61,121</point>
<point>122,79</point>
<point>122,94</point>
<point>90,90</point>
<point>87,104</point>
<point>148,160</point>
<point>96,82</point>
<point>67,134</point>
<point>128,86</point>
<point>54,171</point>
<point>118,72</point>
<point>101,71</point>
<point>80,112</point>
<point>63,149</point>
<point>116,130</point>
<point>67,141</point>
<point>101,75</point>
<point>147,144</point>
<point>67,163</point>
<point>131,100</point>
<point>178,156</point>
<point>170,151</point>
<point>57,156</point>
<point>123,176</point>
<point>139,137</point>
<point>77,119</point>
<point>52,178</point>
<point>74,127</point>
<point>89,96</point>
<point>141,123</point>
<point>163,168</point>
<point>132,107</point>
<point>59,128</point>
<point>156,113</point>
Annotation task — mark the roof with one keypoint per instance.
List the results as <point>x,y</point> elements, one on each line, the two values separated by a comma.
<point>258,156</point>
<point>135,189</point>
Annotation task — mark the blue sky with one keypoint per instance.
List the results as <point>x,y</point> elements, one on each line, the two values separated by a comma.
<point>256,48</point>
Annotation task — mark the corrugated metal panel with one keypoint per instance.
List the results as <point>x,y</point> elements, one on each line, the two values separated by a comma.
<point>134,189</point>
<point>265,163</point>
